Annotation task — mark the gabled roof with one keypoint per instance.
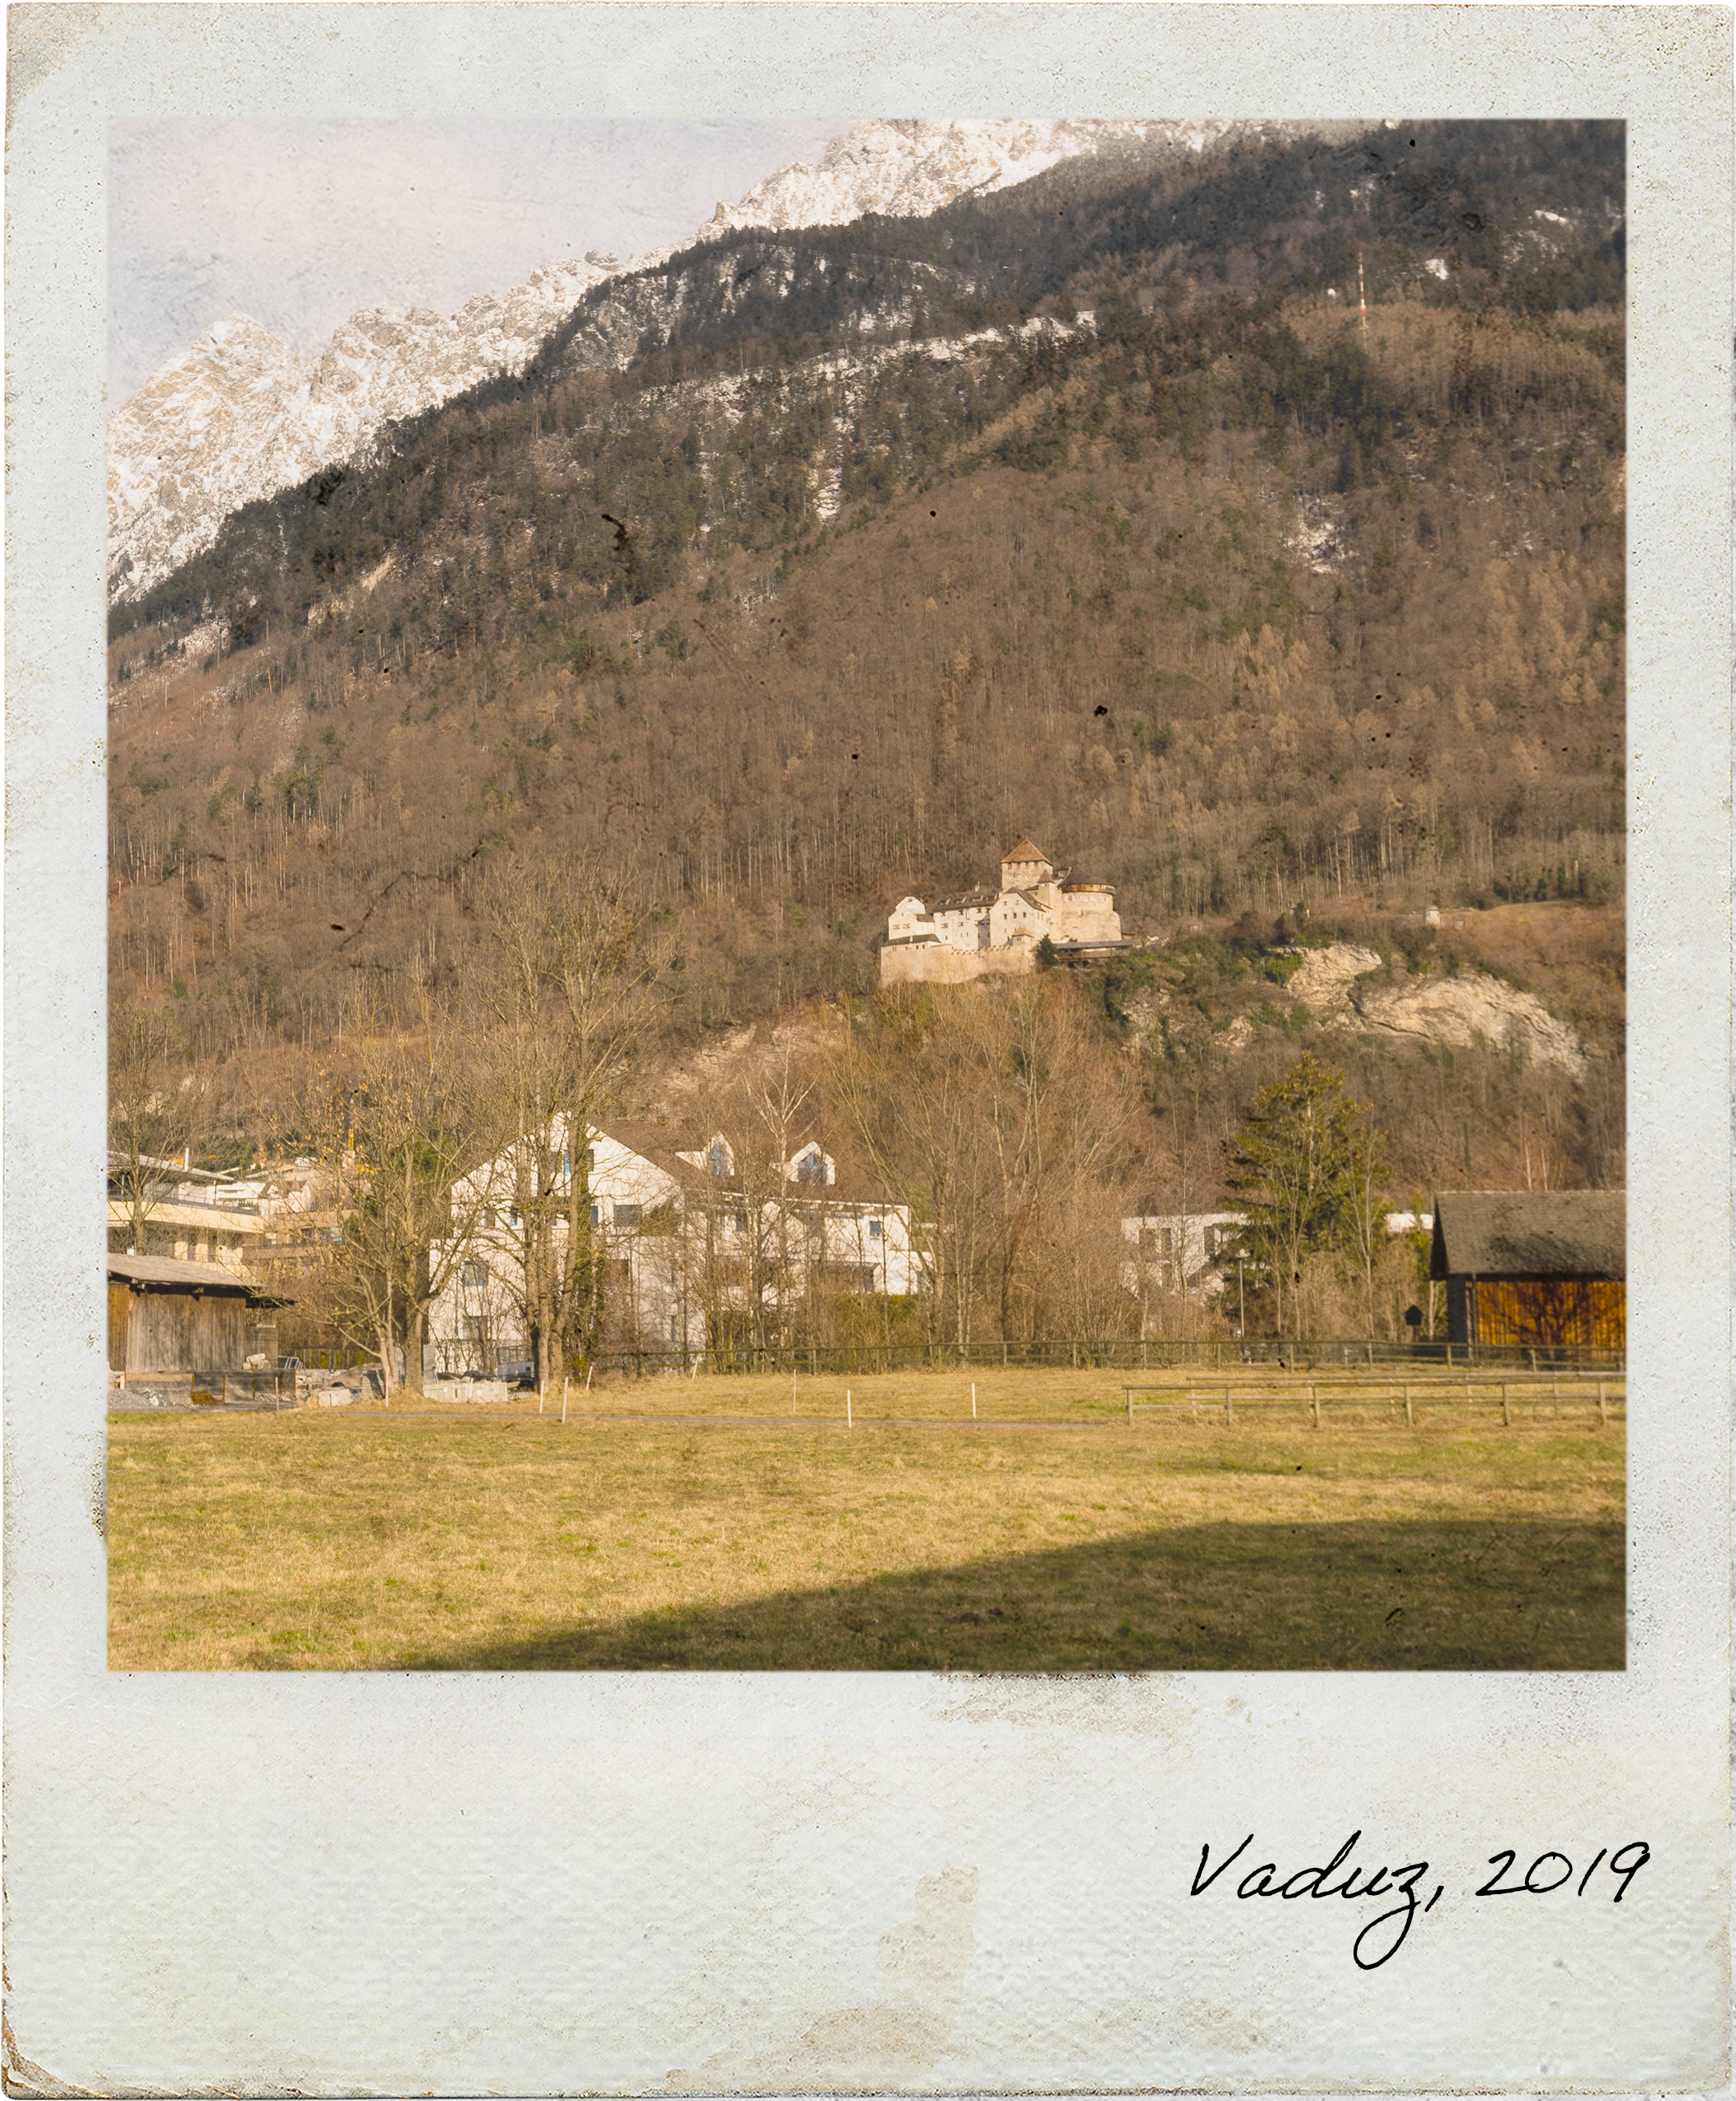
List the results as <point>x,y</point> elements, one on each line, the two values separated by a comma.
<point>164,1273</point>
<point>1530,1232</point>
<point>657,1143</point>
<point>1027,850</point>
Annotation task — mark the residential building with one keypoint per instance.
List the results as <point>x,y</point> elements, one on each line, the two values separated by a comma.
<point>1193,1254</point>
<point>698,1248</point>
<point>248,1221</point>
<point>186,1214</point>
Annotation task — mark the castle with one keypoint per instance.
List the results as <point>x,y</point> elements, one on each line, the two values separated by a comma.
<point>985,932</point>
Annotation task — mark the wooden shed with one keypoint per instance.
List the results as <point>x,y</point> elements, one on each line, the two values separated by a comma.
<point>167,1315</point>
<point>1532,1269</point>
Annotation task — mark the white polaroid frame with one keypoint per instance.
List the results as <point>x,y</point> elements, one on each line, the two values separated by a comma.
<point>622,1883</point>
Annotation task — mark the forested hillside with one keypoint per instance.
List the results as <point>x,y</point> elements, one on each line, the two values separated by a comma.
<point>815,568</point>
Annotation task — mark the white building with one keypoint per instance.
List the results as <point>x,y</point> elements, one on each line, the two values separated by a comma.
<point>981,932</point>
<point>1181,1251</point>
<point>1177,1251</point>
<point>695,1251</point>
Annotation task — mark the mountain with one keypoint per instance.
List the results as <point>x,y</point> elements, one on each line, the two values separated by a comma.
<point>241,414</point>
<point>800,571</point>
<point>908,168</point>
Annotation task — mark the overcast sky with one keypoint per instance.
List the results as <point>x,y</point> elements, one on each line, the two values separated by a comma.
<point>301,223</point>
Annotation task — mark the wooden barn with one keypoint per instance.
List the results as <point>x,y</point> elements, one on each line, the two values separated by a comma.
<point>166,1316</point>
<point>1533,1269</point>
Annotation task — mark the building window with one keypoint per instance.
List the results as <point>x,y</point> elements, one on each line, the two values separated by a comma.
<point>475,1275</point>
<point>874,1233</point>
<point>718,1161</point>
<point>487,1219</point>
<point>473,1328</point>
<point>626,1215</point>
<point>597,1214</point>
<point>811,1167</point>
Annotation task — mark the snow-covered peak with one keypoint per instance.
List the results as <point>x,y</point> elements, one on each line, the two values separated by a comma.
<point>906,167</point>
<point>240,414</point>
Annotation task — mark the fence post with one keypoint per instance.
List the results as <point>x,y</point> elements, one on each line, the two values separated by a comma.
<point>850,1412</point>
<point>1226,1401</point>
<point>1410,1420</point>
<point>1129,1391</point>
<point>1603,1408</point>
<point>1506,1418</point>
<point>1314,1402</point>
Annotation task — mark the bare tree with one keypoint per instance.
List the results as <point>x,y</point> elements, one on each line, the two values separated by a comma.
<point>158,1109</point>
<point>561,988</point>
<point>398,1130</point>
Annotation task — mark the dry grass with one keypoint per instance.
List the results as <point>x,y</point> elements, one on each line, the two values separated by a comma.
<point>490,1540</point>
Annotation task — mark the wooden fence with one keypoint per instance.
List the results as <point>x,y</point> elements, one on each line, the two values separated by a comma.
<point>1116,1354</point>
<point>1324,1397</point>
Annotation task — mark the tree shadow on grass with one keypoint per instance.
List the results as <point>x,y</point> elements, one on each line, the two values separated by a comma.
<point>1517,1595</point>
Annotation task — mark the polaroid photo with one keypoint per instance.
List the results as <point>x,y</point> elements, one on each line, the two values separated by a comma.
<point>828,828</point>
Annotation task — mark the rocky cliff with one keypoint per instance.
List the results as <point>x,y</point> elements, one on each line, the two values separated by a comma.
<point>1456,1011</point>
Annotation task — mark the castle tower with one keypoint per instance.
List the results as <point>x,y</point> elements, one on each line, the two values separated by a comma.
<point>1024,866</point>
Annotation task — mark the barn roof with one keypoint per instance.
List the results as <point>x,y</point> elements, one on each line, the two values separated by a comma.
<point>164,1273</point>
<point>1530,1232</point>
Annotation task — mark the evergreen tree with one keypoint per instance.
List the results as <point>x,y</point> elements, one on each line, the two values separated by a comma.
<point>1302,1169</point>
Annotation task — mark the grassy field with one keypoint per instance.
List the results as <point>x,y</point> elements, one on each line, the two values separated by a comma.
<point>494,1540</point>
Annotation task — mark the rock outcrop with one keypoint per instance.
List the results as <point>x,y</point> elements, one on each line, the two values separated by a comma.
<point>1458,1012</point>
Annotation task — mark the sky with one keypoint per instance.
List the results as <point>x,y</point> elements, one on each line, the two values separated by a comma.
<point>299,223</point>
